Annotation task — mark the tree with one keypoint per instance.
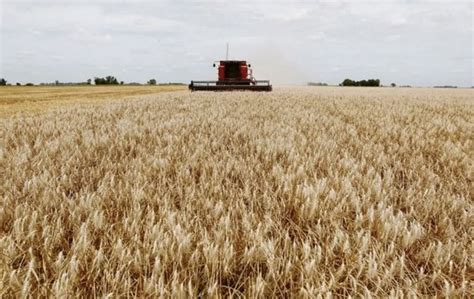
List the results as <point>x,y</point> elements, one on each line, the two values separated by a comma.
<point>121,82</point>
<point>18,84</point>
<point>348,82</point>
<point>89,81</point>
<point>151,82</point>
<point>393,85</point>
<point>3,82</point>
<point>370,82</point>
<point>109,80</point>
<point>317,84</point>
<point>29,84</point>
<point>373,82</point>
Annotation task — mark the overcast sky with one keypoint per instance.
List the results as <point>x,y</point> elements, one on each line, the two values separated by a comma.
<point>422,43</point>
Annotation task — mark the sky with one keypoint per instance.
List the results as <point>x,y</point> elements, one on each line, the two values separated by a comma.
<point>409,42</point>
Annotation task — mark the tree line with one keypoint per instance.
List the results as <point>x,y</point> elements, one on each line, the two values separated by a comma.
<point>108,80</point>
<point>370,82</point>
<point>317,84</point>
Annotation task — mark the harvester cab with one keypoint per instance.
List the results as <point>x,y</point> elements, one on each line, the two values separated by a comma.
<point>232,75</point>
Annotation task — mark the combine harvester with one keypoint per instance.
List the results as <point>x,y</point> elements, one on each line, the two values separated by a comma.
<point>232,75</point>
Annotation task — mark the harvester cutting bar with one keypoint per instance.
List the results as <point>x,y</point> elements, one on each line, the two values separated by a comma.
<point>259,85</point>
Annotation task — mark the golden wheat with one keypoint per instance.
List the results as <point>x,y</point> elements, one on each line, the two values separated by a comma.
<point>299,192</point>
<point>15,100</point>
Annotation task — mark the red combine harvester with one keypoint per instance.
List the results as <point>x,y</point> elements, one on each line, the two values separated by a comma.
<point>232,75</point>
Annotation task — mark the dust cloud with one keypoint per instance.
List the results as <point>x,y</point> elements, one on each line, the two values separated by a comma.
<point>270,63</point>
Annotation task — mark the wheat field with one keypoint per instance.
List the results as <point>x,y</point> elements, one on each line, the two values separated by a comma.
<point>17,100</point>
<point>296,193</point>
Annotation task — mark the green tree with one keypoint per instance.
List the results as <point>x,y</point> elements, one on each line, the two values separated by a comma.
<point>109,80</point>
<point>3,82</point>
<point>348,82</point>
<point>151,82</point>
<point>370,82</point>
<point>393,85</point>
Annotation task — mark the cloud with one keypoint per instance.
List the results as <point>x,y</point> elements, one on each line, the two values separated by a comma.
<point>317,36</point>
<point>290,14</point>
<point>392,37</point>
<point>287,41</point>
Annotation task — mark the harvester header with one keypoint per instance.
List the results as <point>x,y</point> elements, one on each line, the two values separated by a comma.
<point>232,75</point>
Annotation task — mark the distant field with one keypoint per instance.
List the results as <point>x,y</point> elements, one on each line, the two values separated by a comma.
<point>18,99</point>
<point>291,194</point>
